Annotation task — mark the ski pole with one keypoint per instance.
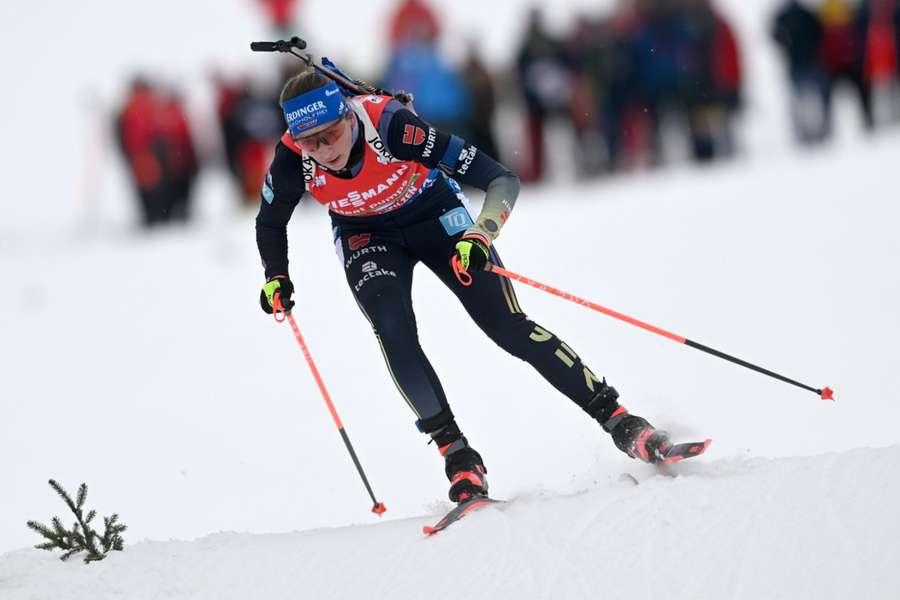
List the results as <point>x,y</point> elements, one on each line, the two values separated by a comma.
<point>377,507</point>
<point>825,393</point>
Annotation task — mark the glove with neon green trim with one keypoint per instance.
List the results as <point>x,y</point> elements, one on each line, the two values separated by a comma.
<point>280,284</point>
<point>472,250</point>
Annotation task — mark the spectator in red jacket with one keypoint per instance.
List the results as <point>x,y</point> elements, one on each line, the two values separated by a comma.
<point>281,15</point>
<point>413,21</point>
<point>180,156</point>
<point>136,126</point>
<point>155,139</point>
<point>879,20</point>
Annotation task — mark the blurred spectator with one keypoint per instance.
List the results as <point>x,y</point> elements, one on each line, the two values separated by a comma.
<point>697,81</point>
<point>181,164</point>
<point>728,78</point>
<point>155,140</point>
<point>440,94</point>
<point>227,95</point>
<point>728,72</point>
<point>543,70</point>
<point>880,19</point>
<point>589,56</point>
<point>142,149</point>
<point>711,79</point>
<point>666,68</point>
<point>842,55</point>
<point>416,65</point>
<point>251,121</point>
<point>281,15</point>
<point>480,87</point>
<point>623,123</point>
<point>413,21</point>
<point>798,32</point>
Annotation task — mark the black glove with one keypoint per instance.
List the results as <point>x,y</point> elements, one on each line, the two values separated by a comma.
<point>281,285</point>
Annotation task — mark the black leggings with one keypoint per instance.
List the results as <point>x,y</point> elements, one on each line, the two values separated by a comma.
<point>379,254</point>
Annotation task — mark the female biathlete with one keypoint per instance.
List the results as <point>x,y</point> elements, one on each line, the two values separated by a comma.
<point>389,180</point>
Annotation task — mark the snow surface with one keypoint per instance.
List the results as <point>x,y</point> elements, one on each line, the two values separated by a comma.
<point>822,527</point>
<point>143,366</point>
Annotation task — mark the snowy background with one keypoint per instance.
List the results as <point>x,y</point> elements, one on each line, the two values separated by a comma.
<point>143,366</point>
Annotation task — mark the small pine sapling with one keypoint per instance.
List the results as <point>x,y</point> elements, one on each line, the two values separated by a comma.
<point>80,538</point>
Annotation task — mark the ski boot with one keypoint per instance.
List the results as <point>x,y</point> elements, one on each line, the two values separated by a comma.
<point>636,437</point>
<point>466,472</point>
<point>633,435</point>
<point>639,439</point>
<point>468,485</point>
<point>462,464</point>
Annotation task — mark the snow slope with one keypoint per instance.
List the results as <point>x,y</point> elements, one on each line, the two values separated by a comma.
<point>144,367</point>
<point>820,527</point>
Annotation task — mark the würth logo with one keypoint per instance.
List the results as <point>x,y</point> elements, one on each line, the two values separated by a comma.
<point>358,241</point>
<point>413,136</point>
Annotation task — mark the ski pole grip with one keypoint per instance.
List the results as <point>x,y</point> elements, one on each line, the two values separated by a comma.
<point>264,46</point>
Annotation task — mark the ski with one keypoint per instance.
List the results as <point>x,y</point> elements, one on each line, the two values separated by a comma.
<point>462,509</point>
<point>669,454</point>
<point>677,452</point>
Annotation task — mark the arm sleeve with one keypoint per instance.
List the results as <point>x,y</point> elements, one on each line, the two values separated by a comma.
<point>408,137</point>
<point>282,190</point>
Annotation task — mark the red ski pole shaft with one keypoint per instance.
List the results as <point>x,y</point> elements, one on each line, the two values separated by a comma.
<point>377,507</point>
<point>825,393</point>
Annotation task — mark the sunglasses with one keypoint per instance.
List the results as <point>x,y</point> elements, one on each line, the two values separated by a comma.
<point>328,137</point>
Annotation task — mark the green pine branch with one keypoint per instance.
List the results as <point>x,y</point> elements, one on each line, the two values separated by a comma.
<point>80,538</point>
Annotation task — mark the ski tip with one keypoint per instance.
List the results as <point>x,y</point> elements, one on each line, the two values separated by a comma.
<point>697,449</point>
<point>683,451</point>
<point>827,393</point>
<point>379,509</point>
<point>427,530</point>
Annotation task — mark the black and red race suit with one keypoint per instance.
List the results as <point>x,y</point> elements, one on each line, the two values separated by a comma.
<point>398,204</point>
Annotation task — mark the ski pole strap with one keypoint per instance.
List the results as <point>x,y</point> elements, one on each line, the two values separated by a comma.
<point>461,274</point>
<point>278,308</point>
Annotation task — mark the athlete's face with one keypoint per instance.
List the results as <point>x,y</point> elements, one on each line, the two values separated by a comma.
<point>330,144</point>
